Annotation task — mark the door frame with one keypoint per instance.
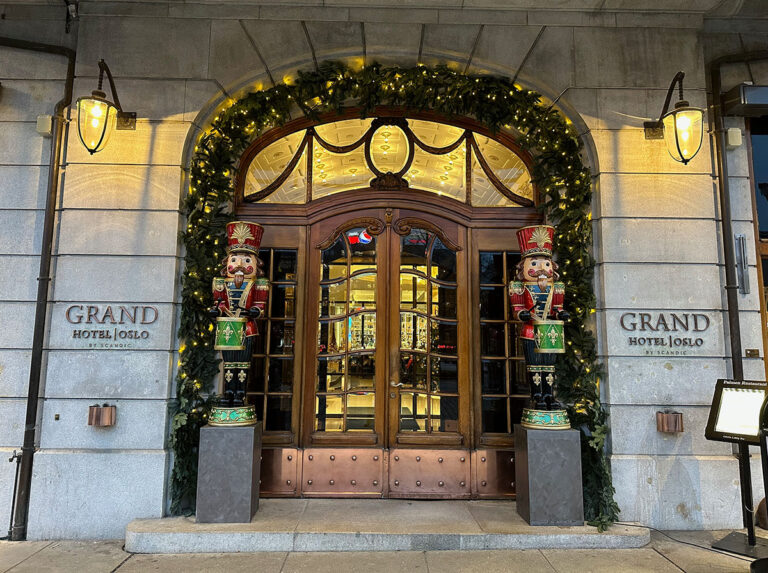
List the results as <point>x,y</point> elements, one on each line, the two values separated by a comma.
<point>453,235</point>
<point>388,225</point>
<point>321,235</point>
<point>285,220</point>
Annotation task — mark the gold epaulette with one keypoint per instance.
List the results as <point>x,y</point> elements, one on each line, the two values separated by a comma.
<point>516,287</point>
<point>219,284</point>
<point>559,288</point>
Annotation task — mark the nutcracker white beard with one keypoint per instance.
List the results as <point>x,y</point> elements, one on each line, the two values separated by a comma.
<point>239,276</point>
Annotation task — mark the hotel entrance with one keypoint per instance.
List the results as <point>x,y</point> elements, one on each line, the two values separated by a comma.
<point>388,363</point>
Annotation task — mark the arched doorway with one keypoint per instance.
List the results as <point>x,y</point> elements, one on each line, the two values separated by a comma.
<point>388,364</point>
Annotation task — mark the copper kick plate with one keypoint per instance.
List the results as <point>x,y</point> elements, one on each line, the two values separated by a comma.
<point>430,473</point>
<point>398,473</point>
<point>494,473</point>
<point>343,472</point>
<point>280,472</point>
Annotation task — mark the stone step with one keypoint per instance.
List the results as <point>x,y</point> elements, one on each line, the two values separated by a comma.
<point>372,525</point>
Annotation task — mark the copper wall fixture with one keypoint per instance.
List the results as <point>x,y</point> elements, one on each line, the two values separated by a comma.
<point>669,422</point>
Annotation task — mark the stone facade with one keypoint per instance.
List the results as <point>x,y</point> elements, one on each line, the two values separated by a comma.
<point>658,241</point>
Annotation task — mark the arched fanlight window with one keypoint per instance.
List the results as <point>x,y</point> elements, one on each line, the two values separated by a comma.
<point>388,154</point>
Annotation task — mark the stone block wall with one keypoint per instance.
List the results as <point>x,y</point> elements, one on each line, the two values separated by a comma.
<point>656,222</point>
<point>30,85</point>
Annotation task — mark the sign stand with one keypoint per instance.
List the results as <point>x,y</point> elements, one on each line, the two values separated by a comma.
<point>738,415</point>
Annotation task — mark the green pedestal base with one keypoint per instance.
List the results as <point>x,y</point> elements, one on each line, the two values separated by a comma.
<point>237,416</point>
<point>545,419</point>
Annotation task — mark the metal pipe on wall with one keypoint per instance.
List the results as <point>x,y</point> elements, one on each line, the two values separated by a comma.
<point>19,529</point>
<point>731,283</point>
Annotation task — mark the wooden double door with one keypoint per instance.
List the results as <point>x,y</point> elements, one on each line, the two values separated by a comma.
<point>387,314</point>
<point>389,365</point>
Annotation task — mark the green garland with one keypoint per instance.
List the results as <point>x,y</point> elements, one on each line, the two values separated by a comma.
<point>496,103</point>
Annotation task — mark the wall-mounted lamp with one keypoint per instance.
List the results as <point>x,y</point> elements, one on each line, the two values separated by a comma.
<point>682,128</point>
<point>97,117</point>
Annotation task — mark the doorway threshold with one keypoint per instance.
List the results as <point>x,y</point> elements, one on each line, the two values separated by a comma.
<point>372,525</point>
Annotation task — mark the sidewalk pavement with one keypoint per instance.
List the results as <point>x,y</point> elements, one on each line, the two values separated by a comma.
<point>665,553</point>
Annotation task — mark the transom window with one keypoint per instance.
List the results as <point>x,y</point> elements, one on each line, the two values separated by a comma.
<point>388,153</point>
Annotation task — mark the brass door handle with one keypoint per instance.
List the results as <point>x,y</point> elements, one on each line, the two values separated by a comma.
<point>395,384</point>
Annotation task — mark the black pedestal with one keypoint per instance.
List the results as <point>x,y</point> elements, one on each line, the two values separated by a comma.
<point>228,474</point>
<point>548,476</point>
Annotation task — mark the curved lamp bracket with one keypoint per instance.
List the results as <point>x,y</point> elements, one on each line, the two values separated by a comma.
<point>655,129</point>
<point>126,120</point>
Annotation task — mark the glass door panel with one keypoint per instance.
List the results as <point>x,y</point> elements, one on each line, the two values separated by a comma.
<point>345,388</point>
<point>427,373</point>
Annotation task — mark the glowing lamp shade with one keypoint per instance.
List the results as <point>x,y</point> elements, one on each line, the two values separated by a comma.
<point>96,118</point>
<point>683,131</point>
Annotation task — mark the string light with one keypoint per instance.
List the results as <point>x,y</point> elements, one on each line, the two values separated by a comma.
<point>559,175</point>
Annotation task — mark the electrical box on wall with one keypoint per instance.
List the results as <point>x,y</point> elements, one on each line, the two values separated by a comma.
<point>733,138</point>
<point>44,125</point>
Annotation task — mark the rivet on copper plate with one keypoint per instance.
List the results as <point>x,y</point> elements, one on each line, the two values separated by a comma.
<point>288,482</point>
<point>441,483</point>
<point>482,459</point>
<point>333,458</point>
<point>309,482</point>
<point>418,458</point>
<point>331,482</point>
<point>309,457</point>
<point>353,482</point>
<point>375,482</point>
<point>483,483</point>
<point>397,458</point>
<point>375,458</point>
<point>418,483</point>
<point>462,484</point>
<point>397,482</point>
<point>440,460</point>
<point>462,459</point>
<point>290,458</point>
<point>354,458</point>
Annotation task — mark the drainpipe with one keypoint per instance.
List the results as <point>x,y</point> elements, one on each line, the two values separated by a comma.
<point>19,529</point>
<point>731,283</point>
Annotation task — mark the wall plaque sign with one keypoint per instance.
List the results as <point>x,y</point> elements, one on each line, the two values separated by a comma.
<point>111,326</point>
<point>666,333</point>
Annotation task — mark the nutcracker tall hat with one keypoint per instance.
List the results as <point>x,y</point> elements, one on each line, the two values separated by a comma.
<point>536,240</point>
<point>244,236</point>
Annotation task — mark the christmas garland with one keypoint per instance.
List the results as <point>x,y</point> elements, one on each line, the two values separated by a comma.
<point>497,103</point>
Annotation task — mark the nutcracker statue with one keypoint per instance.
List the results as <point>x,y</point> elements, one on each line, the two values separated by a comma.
<point>537,301</point>
<point>239,297</point>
